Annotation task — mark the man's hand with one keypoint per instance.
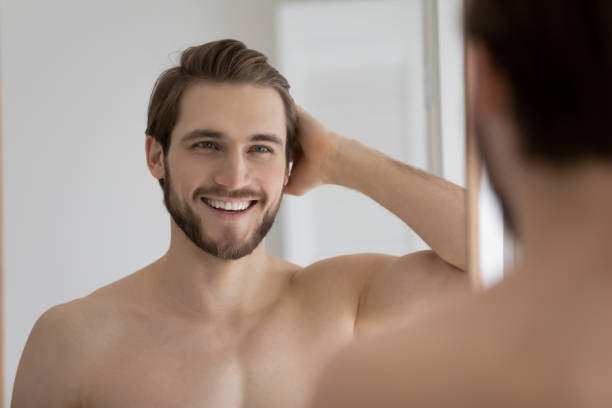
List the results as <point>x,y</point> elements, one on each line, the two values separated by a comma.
<point>312,165</point>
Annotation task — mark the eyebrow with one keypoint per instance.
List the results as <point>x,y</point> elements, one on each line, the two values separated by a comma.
<point>214,134</point>
<point>199,133</point>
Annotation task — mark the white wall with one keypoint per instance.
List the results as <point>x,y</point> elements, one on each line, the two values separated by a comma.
<point>490,234</point>
<point>452,90</point>
<point>80,209</point>
<point>364,81</point>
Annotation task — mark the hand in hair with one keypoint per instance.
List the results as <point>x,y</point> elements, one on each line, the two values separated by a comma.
<point>313,161</point>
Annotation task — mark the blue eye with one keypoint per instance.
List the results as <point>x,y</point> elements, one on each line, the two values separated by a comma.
<point>205,145</point>
<point>261,149</point>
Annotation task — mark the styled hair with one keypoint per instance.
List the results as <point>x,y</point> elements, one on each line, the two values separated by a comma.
<point>223,61</point>
<point>557,58</point>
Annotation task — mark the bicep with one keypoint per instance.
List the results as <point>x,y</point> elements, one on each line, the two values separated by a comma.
<point>406,288</point>
<point>46,373</point>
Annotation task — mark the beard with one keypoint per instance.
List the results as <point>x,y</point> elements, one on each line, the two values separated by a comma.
<point>494,175</point>
<point>228,247</point>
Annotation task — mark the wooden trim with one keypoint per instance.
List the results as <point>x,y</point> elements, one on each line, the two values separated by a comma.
<point>474,179</point>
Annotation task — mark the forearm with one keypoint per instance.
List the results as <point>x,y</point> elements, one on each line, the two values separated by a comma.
<point>434,208</point>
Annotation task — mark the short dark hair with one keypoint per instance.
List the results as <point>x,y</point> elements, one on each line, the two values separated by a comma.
<point>222,61</point>
<point>557,58</point>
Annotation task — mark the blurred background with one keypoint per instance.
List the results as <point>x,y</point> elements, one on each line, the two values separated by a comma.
<point>80,207</point>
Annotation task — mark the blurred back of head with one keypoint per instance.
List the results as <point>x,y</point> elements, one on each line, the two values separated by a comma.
<point>557,58</point>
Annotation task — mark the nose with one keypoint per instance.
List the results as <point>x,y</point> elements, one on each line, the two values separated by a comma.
<point>232,172</point>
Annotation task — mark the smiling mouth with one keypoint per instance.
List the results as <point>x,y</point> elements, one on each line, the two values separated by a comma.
<point>232,207</point>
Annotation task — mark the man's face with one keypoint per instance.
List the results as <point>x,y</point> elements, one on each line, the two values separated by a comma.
<point>225,170</point>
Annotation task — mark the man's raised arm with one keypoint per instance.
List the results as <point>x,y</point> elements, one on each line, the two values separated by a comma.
<point>434,208</point>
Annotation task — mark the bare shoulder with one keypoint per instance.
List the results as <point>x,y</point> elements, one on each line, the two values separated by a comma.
<point>484,350</point>
<point>383,289</point>
<point>407,288</point>
<point>418,273</point>
<point>347,272</point>
<point>362,268</point>
<point>335,285</point>
<point>349,268</point>
<point>412,366</point>
<point>55,358</point>
<point>65,345</point>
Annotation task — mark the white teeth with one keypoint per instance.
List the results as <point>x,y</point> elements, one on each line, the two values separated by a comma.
<point>231,206</point>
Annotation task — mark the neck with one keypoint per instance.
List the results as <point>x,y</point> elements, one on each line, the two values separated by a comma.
<point>214,288</point>
<point>567,225</point>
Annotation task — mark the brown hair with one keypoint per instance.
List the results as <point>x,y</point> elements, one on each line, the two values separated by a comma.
<point>225,61</point>
<point>557,58</point>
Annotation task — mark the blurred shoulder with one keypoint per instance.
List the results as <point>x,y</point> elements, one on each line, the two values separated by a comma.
<point>488,342</point>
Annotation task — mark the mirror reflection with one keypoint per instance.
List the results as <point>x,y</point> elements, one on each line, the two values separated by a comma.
<point>279,233</point>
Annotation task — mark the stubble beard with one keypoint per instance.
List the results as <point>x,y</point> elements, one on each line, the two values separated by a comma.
<point>227,247</point>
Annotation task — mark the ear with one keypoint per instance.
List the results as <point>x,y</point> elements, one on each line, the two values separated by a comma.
<point>294,158</point>
<point>155,158</point>
<point>488,85</point>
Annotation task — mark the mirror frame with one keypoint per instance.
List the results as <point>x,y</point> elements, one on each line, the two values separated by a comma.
<point>474,180</point>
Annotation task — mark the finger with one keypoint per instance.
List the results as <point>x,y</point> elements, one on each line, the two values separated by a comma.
<point>297,184</point>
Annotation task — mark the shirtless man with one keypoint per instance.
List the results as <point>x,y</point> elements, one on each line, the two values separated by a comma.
<point>543,337</point>
<point>217,322</point>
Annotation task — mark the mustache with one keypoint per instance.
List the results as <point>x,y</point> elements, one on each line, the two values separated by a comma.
<point>224,192</point>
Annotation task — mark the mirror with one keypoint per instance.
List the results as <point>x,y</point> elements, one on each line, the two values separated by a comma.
<point>81,209</point>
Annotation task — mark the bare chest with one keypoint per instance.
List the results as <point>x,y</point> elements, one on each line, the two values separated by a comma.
<point>275,364</point>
